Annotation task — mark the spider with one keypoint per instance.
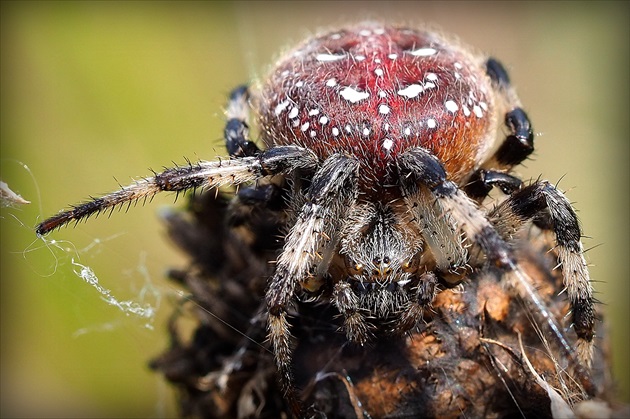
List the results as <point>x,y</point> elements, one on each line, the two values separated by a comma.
<point>380,148</point>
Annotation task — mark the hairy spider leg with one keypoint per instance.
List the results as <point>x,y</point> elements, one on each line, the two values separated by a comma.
<point>528,204</point>
<point>419,167</point>
<point>439,231</point>
<point>332,191</point>
<point>204,174</point>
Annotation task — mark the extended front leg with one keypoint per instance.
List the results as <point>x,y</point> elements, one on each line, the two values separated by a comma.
<point>332,191</point>
<point>204,174</point>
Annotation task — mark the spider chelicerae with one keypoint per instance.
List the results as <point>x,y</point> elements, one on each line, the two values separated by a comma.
<point>379,150</point>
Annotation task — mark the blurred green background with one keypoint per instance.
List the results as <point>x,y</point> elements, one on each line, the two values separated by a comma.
<point>96,93</point>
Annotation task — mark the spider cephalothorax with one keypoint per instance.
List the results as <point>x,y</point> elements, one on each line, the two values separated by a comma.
<point>379,149</point>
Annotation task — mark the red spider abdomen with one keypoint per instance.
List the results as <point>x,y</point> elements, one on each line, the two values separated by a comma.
<point>373,92</point>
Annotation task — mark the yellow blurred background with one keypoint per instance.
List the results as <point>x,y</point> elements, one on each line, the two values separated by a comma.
<point>96,93</point>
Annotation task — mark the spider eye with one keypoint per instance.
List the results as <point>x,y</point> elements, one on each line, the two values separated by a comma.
<point>412,264</point>
<point>355,268</point>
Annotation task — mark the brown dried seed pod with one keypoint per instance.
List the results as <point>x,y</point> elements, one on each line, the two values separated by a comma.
<point>467,358</point>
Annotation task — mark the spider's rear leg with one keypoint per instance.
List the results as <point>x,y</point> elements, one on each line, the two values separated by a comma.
<point>253,199</point>
<point>519,143</point>
<point>516,147</point>
<point>257,216</point>
<point>543,199</point>
<point>236,131</point>
<point>330,194</point>
<point>238,144</point>
<point>482,181</point>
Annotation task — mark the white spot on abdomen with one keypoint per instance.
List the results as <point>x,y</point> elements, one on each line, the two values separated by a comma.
<point>431,76</point>
<point>353,95</point>
<point>281,107</point>
<point>329,57</point>
<point>451,106</point>
<point>423,52</point>
<point>411,91</point>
